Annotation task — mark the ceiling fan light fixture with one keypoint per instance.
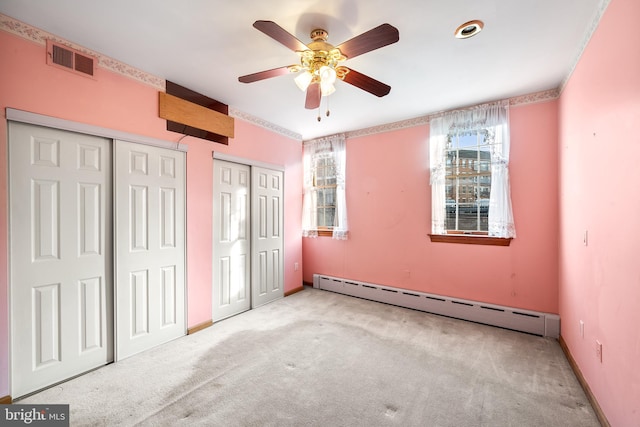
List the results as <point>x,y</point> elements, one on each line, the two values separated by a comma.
<point>469,29</point>
<point>327,75</point>
<point>303,80</point>
<point>327,88</point>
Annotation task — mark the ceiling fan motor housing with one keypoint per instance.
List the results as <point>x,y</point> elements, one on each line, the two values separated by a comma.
<point>319,35</point>
<point>320,53</point>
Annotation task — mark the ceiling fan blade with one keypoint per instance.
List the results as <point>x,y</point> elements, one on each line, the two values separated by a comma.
<point>367,83</point>
<point>280,35</point>
<point>313,96</point>
<point>250,78</point>
<point>376,38</point>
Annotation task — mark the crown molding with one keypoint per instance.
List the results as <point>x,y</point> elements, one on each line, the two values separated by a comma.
<point>40,37</point>
<point>235,113</point>
<point>531,98</point>
<point>388,127</point>
<point>585,41</point>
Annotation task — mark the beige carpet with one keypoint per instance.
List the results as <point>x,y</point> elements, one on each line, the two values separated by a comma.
<point>322,359</point>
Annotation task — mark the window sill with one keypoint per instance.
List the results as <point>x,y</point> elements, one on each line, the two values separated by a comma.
<point>470,239</point>
<point>326,233</point>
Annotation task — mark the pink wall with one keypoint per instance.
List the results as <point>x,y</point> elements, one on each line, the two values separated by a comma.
<point>599,180</point>
<point>120,103</point>
<point>591,132</point>
<point>389,207</point>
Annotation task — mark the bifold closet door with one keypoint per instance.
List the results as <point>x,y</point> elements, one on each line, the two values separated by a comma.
<point>248,241</point>
<point>150,246</point>
<point>267,240</point>
<point>231,239</point>
<point>60,255</point>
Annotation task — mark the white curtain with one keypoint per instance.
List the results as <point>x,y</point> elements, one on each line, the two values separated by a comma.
<point>439,129</point>
<point>334,147</point>
<point>310,196</point>
<point>340,225</point>
<point>489,116</point>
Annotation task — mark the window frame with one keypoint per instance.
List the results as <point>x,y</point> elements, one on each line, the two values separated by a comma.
<point>325,230</point>
<point>493,116</point>
<point>335,147</point>
<point>464,191</point>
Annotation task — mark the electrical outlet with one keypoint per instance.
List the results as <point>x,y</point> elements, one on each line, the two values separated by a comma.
<point>599,351</point>
<point>295,266</point>
<point>582,329</point>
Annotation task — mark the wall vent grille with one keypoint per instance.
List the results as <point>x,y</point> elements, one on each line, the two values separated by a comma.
<point>532,322</point>
<point>70,59</point>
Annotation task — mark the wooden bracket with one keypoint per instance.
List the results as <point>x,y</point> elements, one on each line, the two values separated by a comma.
<point>190,114</point>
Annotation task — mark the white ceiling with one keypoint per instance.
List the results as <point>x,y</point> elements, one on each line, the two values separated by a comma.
<point>205,45</point>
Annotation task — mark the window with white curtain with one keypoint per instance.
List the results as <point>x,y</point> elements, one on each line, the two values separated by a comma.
<point>324,203</point>
<point>469,164</point>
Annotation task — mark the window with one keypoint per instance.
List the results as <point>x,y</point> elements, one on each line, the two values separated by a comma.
<point>324,204</point>
<point>468,181</point>
<point>325,184</point>
<point>469,156</point>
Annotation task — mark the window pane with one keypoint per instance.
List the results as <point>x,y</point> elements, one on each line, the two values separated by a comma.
<point>325,185</point>
<point>451,159</point>
<point>330,196</point>
<point>450,189</point>
<point>465,182</point>
<point>327,217</point>
<point>467,140</point>
<point>450,222</point>
<point>467,217</point>
<point>484,222</point>
<point>468,180</point>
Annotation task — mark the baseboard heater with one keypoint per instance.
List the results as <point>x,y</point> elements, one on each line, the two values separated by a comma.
<point>532,322</point>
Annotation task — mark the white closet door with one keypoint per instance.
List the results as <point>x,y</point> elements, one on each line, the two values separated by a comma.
<point>267,240</point>
<point>150,246</point>
<point>60,250</point>
<point>231,239</point>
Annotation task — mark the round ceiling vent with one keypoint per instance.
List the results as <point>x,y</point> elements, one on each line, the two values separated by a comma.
<point>469,29</point>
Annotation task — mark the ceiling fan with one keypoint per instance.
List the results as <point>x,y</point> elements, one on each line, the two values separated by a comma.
<point>320,61</point>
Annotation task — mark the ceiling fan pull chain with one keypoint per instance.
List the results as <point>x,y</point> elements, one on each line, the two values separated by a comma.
<point>319,118</point>
<point>328,112</point>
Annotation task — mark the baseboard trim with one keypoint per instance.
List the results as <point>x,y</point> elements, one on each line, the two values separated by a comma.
<point>199,327</point>
<point>531,322</point>
<point>294,291</point>
<point>583,382</point>
<point>309,284</point>
<point>6,400</point>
